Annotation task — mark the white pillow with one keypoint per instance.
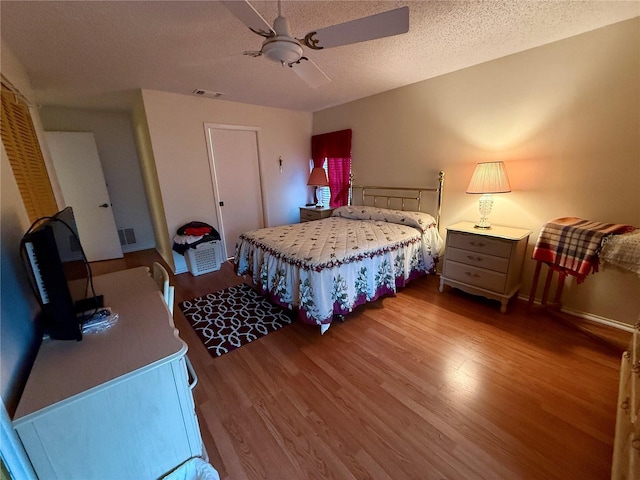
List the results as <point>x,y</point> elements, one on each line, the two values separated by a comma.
<point>420,220</point>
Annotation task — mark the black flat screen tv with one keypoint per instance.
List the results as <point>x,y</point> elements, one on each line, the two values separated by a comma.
<point>52,255</point>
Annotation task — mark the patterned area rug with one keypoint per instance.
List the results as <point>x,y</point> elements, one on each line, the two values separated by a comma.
<point>227,319</point>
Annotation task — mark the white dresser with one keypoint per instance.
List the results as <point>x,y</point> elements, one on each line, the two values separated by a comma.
<point>626,447</point>
<point>118,404</point>
<point>484,262</point>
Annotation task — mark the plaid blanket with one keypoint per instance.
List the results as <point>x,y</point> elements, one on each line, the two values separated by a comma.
<point>571,245</point>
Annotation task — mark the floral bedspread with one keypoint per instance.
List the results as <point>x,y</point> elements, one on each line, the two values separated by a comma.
<point>330,266</point>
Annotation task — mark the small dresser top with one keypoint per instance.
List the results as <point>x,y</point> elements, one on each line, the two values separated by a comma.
<point>142,338</point>
<point>508,233</point>
<point>317,209</point>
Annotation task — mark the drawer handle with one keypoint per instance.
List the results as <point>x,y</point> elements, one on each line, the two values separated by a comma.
<point>475,259</point>
<point>477,244</point>
<point>635,443</point>
<point>471,274</point>
<point>192,373</point>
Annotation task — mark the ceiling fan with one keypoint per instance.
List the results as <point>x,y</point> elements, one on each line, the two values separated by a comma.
<point>280,46</point>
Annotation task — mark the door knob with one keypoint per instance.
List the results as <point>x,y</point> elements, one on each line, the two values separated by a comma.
<point>104,205</point>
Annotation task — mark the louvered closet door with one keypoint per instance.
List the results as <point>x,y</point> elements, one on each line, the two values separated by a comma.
<point>25,156</point>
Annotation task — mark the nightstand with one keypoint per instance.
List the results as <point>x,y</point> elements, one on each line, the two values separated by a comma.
<point>484,262</point>
<point>314,213</point>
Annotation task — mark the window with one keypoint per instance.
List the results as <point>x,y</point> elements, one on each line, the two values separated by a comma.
<point>332,152</point>
<point>324,193</point>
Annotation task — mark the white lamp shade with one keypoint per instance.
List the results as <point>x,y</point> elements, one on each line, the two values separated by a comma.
<point>489,177</point>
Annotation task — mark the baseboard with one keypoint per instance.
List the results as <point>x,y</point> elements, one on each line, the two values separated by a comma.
<point>589,316</point>
<point>137,247</point>
<point>598,319</point>
<point>183,269</point>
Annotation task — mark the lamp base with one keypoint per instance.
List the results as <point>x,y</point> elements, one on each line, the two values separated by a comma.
<point>317,203</point>
<point>484,206</point>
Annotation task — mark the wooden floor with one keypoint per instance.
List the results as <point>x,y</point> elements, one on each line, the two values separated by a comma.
<point>424,385</point>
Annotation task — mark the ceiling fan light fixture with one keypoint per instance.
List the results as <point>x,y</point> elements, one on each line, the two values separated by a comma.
<point>282,50</point>
<point>282,47</point>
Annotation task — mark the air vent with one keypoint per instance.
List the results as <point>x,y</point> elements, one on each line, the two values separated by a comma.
<point>206,93</point>
<point>127,236</point>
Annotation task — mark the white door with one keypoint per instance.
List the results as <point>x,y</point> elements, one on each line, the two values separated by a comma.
<point>233,152</point>
<point>77,164</point>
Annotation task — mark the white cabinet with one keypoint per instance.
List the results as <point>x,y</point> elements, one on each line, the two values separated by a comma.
<point>626,447</point>
<point>118,404</point>
<point>484,262</point>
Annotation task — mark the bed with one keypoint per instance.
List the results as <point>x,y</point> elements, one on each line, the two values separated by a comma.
<point>324,269</point>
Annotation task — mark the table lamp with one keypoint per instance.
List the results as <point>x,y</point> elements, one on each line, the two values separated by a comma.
<point>317,178</point>
<point>488,178</point>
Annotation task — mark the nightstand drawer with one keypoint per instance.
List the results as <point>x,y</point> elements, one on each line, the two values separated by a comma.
<point>307,215</point>
<point>474,276</point>
<point>476,259</point>
<point>481,244</point>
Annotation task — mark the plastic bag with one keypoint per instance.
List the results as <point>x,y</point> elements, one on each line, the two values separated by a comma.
<point>98,321</point>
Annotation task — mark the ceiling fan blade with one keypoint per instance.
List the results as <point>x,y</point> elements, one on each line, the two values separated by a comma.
<point>248,15</point>
<point>310,73</point>
<point>381,25</point>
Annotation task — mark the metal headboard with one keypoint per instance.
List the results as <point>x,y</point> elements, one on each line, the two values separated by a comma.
<point>389,194</point>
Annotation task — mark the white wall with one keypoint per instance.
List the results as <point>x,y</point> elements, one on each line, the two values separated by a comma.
<point>113,132</point>
<point>176,131</point>
<point>18,307</point>
<point>18,304</point>
<point>150,179</point>
<point>565,118</point>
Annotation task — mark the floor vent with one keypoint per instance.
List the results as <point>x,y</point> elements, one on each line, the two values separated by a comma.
<point>127,236</point>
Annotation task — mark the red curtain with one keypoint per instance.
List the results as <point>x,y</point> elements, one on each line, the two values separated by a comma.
<point>336,148</point>
<point>339,178</point>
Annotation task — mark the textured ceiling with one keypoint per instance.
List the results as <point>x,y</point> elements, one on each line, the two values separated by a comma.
<point>96,53</point>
